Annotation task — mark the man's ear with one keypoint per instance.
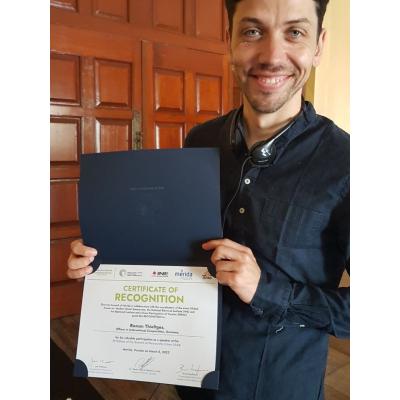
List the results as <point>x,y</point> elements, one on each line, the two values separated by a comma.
<point>229,44</point>
<point>228,37</point>
<point>320,47</point>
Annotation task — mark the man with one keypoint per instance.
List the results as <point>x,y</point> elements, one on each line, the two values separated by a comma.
<point>285,198</point>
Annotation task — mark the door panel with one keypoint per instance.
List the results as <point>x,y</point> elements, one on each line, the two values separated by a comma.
<point>208,94</point>
<point>114,134</point>
<point>70,5</point>
<point>168,90</point>
<point>63,202</point>
<point>169,135</point>
<point>209,19</point>
<point>114,10</point>
<point>64,140</point>
<point>113,84</point>
<point>168,15</point>
<point>64,79</point>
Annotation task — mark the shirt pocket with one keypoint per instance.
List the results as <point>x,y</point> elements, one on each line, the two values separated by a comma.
<point>291,225</point>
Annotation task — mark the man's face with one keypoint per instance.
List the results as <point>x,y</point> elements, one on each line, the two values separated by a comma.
<point>273,47</point>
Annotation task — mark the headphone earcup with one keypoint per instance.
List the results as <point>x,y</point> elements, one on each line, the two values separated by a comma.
<point>263,154</point>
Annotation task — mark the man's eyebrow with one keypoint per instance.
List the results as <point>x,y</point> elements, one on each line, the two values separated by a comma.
<point>291,22</point>
<point>298,21</point>
<point>251,19</point>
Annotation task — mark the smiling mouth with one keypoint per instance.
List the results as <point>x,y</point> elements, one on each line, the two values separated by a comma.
<point>270,82</point>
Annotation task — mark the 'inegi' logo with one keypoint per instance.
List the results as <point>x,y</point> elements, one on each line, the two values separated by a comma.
<point>160,274</point>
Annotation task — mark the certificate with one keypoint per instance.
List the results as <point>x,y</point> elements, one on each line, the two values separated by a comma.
<point>149,323</point>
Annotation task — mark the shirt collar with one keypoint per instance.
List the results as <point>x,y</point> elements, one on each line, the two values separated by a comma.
<point>306,116</point>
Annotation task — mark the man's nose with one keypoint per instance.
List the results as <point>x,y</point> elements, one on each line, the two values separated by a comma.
<point>272,50</point>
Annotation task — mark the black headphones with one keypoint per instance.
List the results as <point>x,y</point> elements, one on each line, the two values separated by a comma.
<point>261,154</point>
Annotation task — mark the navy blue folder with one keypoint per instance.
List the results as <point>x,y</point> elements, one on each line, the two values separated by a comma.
<point>152,207</point>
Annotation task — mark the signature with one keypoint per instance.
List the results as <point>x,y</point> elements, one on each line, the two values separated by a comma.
<point>193,370</point>
<point>143,362</point>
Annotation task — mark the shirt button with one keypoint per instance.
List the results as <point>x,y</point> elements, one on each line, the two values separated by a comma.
<point>247,181</point>
<point>242,210</point>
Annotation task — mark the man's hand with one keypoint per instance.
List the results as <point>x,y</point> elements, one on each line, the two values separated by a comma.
<point>236,267</point>
<point>79,260</point>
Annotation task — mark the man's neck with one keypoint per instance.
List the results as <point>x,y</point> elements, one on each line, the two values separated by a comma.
<point>262,126</point>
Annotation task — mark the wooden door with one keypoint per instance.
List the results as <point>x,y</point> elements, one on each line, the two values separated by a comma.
<point>181,88</point>
<point>93,97</point>
<point>98,98</point>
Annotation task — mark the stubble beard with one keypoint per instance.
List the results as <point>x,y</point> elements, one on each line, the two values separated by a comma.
<point>267,103</point>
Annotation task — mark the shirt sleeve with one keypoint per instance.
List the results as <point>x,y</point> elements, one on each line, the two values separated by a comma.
<point>305,305</point>
<point>309,305</point>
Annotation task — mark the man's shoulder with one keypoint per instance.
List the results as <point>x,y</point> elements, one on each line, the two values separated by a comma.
<point>334,135</point>
<point>334,147</point>
<point>210,133</point>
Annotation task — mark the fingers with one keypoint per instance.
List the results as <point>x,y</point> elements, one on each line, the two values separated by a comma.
<point>79,273</point>
<point>227,278</point>
<point>212,244</point>
<point>75,262</point>
<point>226,272</point>
<point>229,247</point>
<point>228,266</point>
<point>79,249</point>
<point>242,278</point>
<point>222,253</point>
<point>235,266</point>
<point>79,260</point>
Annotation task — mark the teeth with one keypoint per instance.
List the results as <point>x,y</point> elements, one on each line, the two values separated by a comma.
<point>271,81</point>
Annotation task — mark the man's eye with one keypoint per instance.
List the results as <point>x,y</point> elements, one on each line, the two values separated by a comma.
<point>252,33</point>
<point>295,33</point>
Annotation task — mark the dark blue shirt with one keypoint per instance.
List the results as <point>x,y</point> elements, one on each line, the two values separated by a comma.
<point>294,215</point>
